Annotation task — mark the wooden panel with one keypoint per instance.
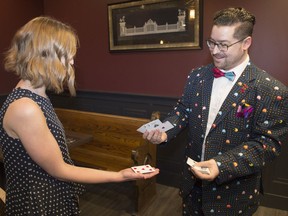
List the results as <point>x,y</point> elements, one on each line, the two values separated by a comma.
<point>114,138</point>
<point>97,158</point>
<point>116,130</point>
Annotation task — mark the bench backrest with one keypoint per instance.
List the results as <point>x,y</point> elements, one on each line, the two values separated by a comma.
<point>105,128</point>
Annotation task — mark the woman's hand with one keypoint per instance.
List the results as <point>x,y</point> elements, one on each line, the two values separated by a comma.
<point>128,174</point>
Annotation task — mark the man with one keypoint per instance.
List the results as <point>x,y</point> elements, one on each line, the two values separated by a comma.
<point>237,122</point>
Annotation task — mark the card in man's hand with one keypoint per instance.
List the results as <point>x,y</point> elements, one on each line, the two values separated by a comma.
<point>155,124</point>
<point>143,169</point>
<point>193,163</point>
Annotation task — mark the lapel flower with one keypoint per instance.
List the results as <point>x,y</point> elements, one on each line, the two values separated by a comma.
<point>244,110</point>
<point>244,87</point>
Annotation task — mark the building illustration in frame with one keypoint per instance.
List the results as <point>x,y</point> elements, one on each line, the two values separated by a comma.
<point>151,27</point>
<point>154,25</point>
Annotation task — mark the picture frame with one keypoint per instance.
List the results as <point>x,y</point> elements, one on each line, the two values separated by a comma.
<point>154,25</point>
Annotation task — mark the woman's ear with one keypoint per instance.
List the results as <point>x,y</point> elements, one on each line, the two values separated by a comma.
<point>71,62</point>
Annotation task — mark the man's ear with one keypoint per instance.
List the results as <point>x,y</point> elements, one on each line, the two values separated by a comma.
<point>247,43</point>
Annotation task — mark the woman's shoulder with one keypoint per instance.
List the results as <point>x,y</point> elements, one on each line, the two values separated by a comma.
<point>24,108</point>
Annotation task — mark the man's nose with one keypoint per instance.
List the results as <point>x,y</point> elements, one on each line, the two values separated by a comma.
<point>215,49</point>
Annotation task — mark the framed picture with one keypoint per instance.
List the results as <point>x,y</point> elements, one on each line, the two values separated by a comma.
<point>155,25</point>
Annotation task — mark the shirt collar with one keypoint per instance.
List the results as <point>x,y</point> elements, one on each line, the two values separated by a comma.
<point>238,70</point>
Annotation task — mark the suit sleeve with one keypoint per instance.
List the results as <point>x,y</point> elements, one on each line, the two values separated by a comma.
<point>179,116</point>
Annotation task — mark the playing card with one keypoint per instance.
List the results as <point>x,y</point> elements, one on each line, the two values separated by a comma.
<point>165,126</point>
<point>156,124</point>
<point>149,126</point>
<point>143,169</point>
<point>203,170</point>
<point>193,163</point>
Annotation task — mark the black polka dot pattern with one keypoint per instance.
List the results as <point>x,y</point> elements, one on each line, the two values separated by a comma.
<point>30,190</point>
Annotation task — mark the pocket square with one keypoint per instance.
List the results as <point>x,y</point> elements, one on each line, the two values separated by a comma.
<point>244,110</point>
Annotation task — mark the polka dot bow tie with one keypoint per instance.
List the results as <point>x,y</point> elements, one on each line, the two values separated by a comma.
<point>218,73</point>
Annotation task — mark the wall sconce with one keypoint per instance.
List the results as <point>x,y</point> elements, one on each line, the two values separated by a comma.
<point>192,14</point>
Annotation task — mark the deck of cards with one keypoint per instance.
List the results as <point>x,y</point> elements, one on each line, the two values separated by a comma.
<point>143,169</point>
<point>155,125</point>
<point>193,163</point>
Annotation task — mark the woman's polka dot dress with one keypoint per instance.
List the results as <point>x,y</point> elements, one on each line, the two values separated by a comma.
<point>30,190</point>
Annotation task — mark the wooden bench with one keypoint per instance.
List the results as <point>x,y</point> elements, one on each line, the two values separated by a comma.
<point>115,145</point>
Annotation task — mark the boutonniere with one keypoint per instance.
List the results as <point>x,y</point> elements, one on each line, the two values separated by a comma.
<point>244,110</point>
<point>244,88</point>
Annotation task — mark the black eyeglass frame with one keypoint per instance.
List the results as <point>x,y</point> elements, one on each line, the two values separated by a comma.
<point>221,48</point>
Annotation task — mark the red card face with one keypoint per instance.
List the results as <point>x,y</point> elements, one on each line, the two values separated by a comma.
<point>143,169</point>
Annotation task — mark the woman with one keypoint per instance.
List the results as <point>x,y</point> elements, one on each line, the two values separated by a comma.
<point>41,177</point>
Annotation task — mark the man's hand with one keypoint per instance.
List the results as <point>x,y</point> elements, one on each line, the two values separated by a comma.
<point>211,165</point>
<point>155,136</point>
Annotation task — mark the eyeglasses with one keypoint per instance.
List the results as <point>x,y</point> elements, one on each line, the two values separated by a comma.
<point>222,47</point>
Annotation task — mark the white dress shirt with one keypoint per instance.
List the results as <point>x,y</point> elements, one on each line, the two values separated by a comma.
<point>220,89</point>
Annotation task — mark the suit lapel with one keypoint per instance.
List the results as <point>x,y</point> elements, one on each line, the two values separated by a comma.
<point>237,94</point>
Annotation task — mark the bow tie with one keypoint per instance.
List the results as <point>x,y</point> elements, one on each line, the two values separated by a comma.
<point>218,73</point>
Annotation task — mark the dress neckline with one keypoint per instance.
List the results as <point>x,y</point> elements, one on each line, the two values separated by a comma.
<point>28,90</point>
